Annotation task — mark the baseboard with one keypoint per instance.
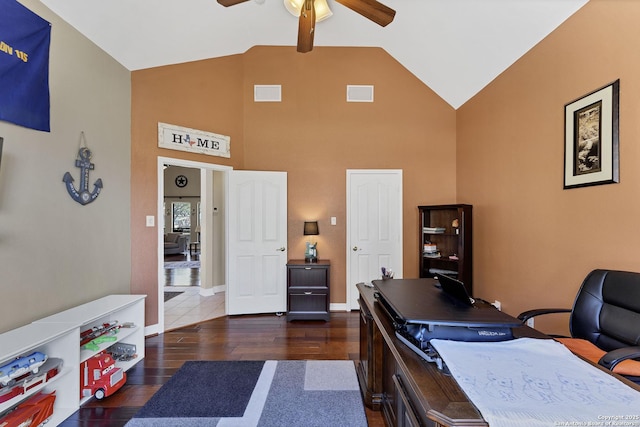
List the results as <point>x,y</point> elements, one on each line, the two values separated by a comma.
<point>151,330</point>
<point>206,292</point>
<point>338,307</point>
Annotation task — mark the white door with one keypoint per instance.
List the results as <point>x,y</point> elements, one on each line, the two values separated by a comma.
<point>374,227</point>
<point>257,233</point>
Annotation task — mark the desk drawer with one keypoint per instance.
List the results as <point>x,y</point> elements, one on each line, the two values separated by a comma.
<point>308,276</point>
<point>307,301</point>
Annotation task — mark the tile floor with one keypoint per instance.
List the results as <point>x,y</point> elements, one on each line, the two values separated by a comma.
<point>190,307</point>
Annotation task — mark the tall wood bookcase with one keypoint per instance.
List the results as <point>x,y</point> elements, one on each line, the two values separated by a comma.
<point>453,245</point>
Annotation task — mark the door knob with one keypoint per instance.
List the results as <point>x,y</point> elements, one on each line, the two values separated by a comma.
<point>355,248</point>
<point>281,249</point>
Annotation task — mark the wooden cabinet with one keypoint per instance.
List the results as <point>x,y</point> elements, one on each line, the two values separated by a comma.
<point>58,336</point>
<point>446,242</point>
<point>308,290</point>
<point>369,366</point>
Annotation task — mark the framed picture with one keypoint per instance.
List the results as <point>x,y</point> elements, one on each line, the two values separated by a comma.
<point>591,151</point>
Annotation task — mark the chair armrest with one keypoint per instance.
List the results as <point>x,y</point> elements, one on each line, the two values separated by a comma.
<point>182,243</point>
<point>526,315</point>
<point>612,358</point>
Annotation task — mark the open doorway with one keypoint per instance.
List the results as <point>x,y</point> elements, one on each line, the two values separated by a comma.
<point>191,200</point>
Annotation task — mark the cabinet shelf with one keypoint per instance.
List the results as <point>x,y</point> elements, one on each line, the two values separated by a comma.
<point>121,336</point>
<point>441,258</point>
<point>58,336</point>
<point>456,239</point>
<point>47,387</point>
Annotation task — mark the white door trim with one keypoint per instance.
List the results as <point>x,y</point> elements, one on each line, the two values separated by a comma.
<point>160,217</point>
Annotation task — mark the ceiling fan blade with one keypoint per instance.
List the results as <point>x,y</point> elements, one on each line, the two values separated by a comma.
<point>371,9</point>
<point>227,3</point>
<point>306,27</point>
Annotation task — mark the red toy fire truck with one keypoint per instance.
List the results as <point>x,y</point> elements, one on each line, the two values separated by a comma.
<point>100,377</point>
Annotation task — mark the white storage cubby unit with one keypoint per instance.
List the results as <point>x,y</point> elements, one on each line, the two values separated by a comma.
<point>58,336</point>
<point>54,340</point>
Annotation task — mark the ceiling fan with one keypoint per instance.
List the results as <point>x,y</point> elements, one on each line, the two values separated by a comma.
<point>370,9</point>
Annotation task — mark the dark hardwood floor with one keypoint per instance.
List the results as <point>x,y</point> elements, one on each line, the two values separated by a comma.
<point>182,276</point>
<point>263,337</point>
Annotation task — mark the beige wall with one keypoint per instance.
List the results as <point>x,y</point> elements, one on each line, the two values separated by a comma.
<point>55,253</point>
<point>535,242</point>
<point>314,135</point>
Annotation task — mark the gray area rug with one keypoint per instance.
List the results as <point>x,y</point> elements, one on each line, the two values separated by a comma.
<point>181,264</point>
<point>313,393</point>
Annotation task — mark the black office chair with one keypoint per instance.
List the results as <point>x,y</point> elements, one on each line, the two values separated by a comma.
<point>606,314</point>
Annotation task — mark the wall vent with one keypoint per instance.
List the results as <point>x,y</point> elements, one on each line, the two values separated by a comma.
<point>359,93</point>
<point>267,93</point>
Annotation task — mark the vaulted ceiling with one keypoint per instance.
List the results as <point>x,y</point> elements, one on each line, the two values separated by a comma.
<point>456,47</point>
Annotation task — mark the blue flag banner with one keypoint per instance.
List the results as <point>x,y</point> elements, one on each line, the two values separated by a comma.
<point>24,66</point>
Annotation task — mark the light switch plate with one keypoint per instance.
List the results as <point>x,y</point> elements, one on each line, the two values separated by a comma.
<point>151,220</point>
<point>333,220</point>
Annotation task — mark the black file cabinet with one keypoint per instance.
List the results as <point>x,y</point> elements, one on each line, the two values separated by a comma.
<point>308,290</point>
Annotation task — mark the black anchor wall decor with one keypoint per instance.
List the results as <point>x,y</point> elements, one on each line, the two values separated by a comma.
<point>83,161</point>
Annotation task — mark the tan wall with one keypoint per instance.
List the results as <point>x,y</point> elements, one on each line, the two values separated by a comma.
<point>54,252</point>
<point>201,95</point>
<point>314,135</point>
<point>534,242</point>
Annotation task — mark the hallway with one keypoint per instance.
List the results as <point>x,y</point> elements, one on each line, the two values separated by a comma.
<point>188,306</point>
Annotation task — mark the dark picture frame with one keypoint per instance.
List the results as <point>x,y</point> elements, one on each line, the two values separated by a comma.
<point>591,144</point>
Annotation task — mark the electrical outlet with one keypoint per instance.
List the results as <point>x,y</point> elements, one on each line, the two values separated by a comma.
<point>530,322</point>
<point>497,304</point>
<point>333,220</point>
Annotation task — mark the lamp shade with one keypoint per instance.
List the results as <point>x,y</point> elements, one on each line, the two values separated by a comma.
<point>322,8</point>
<point>311,228</point>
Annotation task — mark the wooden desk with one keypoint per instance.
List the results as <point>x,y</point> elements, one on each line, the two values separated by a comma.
<point>409,390</point>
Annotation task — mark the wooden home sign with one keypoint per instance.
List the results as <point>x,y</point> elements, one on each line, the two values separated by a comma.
<point>195,141</point>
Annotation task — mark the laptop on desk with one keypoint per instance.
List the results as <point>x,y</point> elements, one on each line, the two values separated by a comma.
<point>455,289</point>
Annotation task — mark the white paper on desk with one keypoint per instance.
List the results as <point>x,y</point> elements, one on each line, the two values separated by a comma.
<point>531,382</point>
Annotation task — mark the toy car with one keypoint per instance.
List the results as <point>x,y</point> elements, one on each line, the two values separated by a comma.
<point>21,366</point>
<point>99,376</point>
<point>34,411</point>
<point>123,351</point>
<point>26,382</point>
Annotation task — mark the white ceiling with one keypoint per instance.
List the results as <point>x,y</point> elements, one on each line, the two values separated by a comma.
<point>456,47</point>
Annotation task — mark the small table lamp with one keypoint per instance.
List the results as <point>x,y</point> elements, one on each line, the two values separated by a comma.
<point>311,229</point>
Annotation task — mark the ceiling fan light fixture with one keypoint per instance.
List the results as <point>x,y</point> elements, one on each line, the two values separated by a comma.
<point>322,8</point>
